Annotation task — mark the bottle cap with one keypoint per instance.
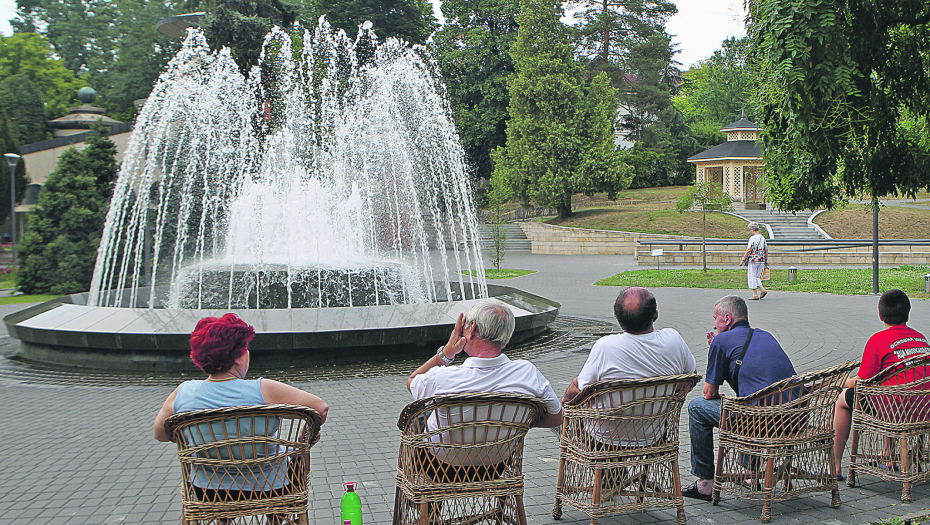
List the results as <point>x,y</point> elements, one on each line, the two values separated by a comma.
<point>346,522</point>
<point>350,486</point>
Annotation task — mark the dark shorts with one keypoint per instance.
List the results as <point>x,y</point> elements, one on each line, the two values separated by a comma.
<point>851,398</point>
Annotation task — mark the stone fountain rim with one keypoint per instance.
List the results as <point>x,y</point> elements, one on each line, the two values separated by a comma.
<point>64,331</point>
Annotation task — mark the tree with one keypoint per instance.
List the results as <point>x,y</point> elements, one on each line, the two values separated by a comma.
<point>83,32</point>
<point>21,102</point>
<point>559,138</point>
<point>841,84</point>
<point>60,248</point>
<point>716,92</point>
<point>627,40</point>
<point>611,29</point>
<point>31,56</point>
<point>498,230</point>
<point>708,197</point>
<point>143,54</point>
<point>410,20</point>
<point>110,44</point>
<point>648,116</point>
<point>473,51</point>
<point>9,144</point>
<point>242,25</point>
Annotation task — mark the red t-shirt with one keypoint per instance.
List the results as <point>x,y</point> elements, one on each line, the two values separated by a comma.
<point>889,346</point>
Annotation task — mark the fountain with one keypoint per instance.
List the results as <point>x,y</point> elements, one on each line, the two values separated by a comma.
<point>323,198</point>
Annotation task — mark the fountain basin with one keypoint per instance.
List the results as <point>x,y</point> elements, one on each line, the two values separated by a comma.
<point>66,331</point>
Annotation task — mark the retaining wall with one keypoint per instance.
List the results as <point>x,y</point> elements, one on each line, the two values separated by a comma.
<point>561,240</point>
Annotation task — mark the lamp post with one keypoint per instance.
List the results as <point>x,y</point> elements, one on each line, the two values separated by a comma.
<point>12,159</point>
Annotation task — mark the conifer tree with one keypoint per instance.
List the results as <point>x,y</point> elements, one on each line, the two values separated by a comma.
<point>559,137</point>
<point>21,101</point>
<point>60,247</point>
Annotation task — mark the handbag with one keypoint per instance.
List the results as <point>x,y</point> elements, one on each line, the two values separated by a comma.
<point>766,274</point>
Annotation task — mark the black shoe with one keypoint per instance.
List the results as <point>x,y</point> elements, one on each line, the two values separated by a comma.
<point>693,493</point>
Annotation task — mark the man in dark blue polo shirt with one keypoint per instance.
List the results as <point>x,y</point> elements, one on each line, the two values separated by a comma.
<point>763,363</point>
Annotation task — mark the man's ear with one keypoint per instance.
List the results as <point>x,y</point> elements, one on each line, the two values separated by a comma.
<point>655,317</point>
<point>468,332</point>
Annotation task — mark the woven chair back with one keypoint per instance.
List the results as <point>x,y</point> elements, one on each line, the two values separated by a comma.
<point>619,447</point>
<point>799,404</point>
<point>236,459</point>
<point>628,412</point>
<point>899,394</point>
<point>466,437</point>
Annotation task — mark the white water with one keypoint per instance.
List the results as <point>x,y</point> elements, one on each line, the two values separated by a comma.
<point>318,181</point>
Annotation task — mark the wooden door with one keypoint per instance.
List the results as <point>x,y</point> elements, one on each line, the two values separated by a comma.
<point>753,184</point>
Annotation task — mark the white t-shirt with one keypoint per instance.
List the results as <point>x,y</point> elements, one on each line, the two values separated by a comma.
<point>634,356</point>
<point>497,374</point>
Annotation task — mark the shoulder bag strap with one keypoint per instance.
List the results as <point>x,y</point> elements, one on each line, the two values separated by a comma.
<point>739,361</point>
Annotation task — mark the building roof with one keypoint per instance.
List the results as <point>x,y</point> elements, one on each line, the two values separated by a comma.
<point>742,123</point>
<point>739,149</point>
<point>83,117</point>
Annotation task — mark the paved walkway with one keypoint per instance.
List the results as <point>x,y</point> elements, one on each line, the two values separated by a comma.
<point>81,450</point>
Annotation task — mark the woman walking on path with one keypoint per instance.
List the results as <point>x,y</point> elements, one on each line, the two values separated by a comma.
<point>757,253</point>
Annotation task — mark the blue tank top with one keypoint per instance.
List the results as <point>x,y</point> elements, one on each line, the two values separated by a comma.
<point>200,395</point>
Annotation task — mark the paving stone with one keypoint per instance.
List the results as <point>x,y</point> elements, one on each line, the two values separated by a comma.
<point>87,453</point>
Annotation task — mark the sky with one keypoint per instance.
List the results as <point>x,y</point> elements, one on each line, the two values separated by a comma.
<point>699,27</point>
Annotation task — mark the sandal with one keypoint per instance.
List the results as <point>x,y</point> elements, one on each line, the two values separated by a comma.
<point>763,294</point>
<point>753,298</point>
<point>693,493</point>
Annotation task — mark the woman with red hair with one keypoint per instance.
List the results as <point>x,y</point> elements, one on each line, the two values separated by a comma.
<point>220,347</point>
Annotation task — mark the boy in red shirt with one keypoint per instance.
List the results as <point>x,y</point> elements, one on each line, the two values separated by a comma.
<point>895,343</point>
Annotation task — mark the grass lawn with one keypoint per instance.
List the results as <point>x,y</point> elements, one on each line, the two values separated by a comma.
<point>655,218</point>
<point>837,281</point>
<point>653,211</point>
<point>19,299</point>
<point>894,222</point>
<point>503,273</point>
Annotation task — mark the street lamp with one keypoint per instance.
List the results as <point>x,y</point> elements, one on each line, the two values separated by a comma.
<point>13,159</point>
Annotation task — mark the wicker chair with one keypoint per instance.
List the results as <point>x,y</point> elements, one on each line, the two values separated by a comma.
<point>619,447</point>
<point>777,443</point>
<point>255,458</point>
<point>891,425</point>
<point>469,467</point>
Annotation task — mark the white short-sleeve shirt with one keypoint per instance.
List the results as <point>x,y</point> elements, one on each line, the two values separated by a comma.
<point>635,356</point>
<point>497,374</point>
<point>487,374</point>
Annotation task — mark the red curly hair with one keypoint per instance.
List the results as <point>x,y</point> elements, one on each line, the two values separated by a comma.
<point>216,343</point>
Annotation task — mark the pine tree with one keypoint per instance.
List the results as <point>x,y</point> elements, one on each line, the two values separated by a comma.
<point>559,137</point>
<point>21,101</point>
<point>60,248</point>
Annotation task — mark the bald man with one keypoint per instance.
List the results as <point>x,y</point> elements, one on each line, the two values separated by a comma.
<point>639,351</point>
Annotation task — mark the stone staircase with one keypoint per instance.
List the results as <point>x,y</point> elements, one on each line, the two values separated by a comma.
<point>784,225</point>
<point>516,239</point>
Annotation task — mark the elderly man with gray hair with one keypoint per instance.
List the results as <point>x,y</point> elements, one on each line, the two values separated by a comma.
<point>749,359</point>
<point>482,334</point>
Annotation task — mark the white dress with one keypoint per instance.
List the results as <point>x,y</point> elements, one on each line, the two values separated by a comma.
<point>756,246</point>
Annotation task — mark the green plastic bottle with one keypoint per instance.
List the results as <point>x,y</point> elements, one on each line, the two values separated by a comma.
<point>351,504</point>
